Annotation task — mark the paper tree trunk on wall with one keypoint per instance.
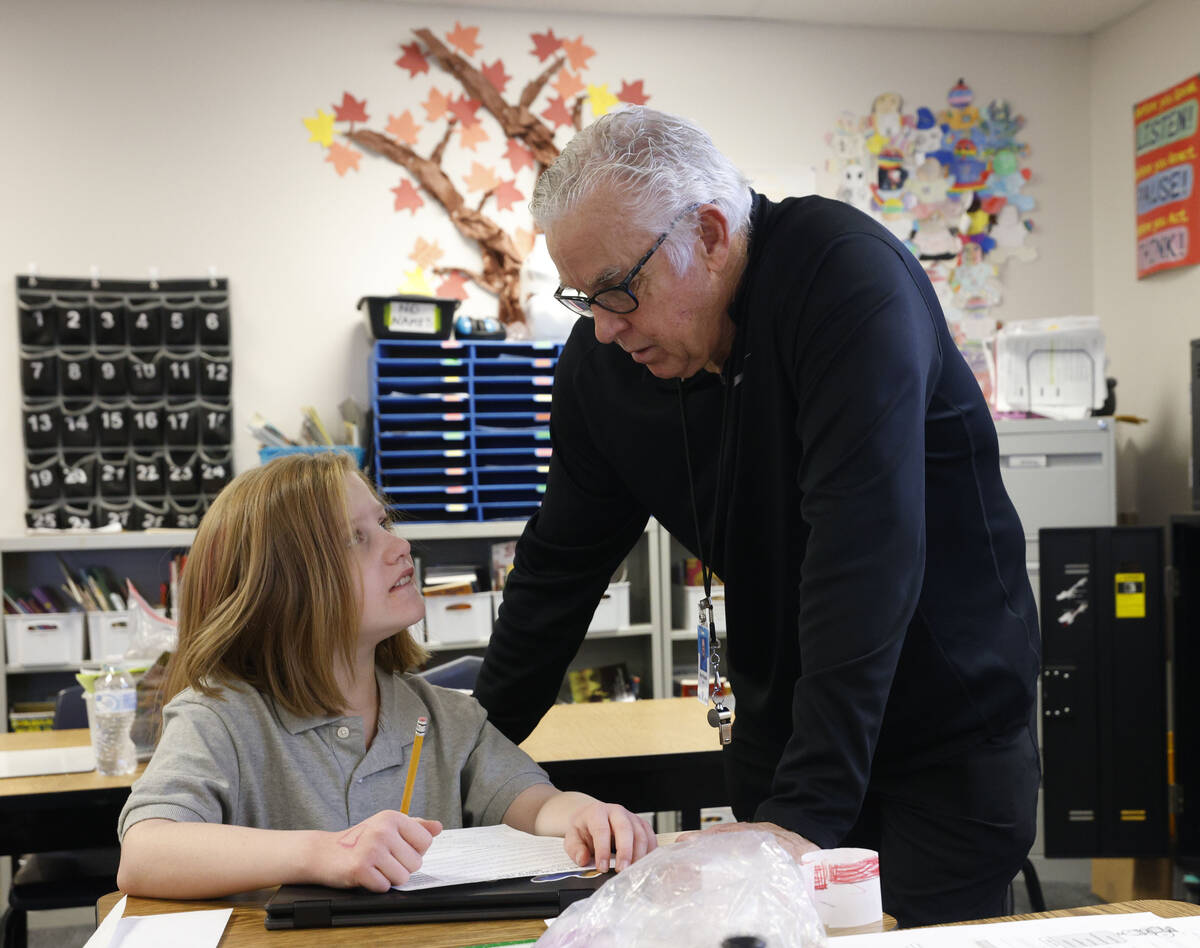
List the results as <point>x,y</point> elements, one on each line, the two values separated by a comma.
<point>530,148</point>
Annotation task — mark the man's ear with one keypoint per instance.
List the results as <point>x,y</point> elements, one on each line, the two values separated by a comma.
<point>715,238</point>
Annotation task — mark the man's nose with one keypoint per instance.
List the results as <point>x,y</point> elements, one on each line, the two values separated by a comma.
<point>608,325</point>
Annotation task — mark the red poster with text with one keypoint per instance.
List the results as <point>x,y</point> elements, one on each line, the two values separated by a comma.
<point>1166,159</point>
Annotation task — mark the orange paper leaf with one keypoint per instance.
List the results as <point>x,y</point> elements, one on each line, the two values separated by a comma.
<point>471,135</point>
<point>407,198</point>
<point>545,45</point>
<point>632,93</point>
<point>402,127</point>
<point>506,195</point>
<point>453,287</point>
<point>568,85</point>
<point>413,59</point>
<point>523,239</point>
<point>351,109</point>
<point>425,253</point>
<point>557,112</point>
<point>435,105</point>
<point>518,155</point>
<point>496,75</point>
<point>465,38</point>
<point>343,158</point>
<point>481,178</point>
<point>578,53</point>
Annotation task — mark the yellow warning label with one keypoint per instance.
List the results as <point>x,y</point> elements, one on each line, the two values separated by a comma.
<point>1131,595</point>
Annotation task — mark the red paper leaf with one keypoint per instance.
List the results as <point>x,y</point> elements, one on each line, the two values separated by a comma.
<point>413,59</point>
<point>464,109</point>
<point>465,38</point>
<point>481,178</point>
<point>351,109</point>
<point>557,112</point>
<point>506,195</point>
<point>545,45</point>
<point>471,135</point>
<point>632,93</point>
<point>435,105</point>
<point>402,127</point>
<point>407,197</point>
<point>518,155</point>
<point>578,53</point>
<point>343,158</point>
<point>495,75</point>
<point>568,85</point>
<point>453,287</point>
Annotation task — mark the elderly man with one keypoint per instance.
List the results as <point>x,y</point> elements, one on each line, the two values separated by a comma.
<point>785,398</point>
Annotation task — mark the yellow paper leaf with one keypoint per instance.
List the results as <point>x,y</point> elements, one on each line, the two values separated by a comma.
<point>320,128</point>
<point>415,283</point>
<point>601,99</point>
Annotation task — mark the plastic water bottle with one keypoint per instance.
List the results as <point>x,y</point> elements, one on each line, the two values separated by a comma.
<point>114,704</point>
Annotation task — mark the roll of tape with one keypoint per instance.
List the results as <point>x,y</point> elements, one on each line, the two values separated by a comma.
<point>845,886</point>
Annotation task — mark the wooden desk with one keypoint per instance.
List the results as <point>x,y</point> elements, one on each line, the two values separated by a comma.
<point>246,925</point>
<point>646,755</point>
<point>58,811</point>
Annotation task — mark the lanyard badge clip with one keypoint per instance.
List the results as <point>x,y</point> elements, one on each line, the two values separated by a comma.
<point>708,676</point>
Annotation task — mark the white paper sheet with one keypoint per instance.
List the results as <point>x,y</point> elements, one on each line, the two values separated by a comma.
<point>1140,930</point>
<point>47,760</point>
<point>178,929</point>
<point>484,853</point>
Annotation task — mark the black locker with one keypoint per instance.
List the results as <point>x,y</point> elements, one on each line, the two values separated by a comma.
<point>1104,705</point>
<point>1185,558</point>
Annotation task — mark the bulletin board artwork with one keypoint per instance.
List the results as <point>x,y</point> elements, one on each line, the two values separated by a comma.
<point>1165,165</point>
<point>950,184</point>
<point>472,143</point>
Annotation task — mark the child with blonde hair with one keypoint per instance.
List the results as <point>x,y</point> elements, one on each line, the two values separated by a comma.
<point>291,711</point>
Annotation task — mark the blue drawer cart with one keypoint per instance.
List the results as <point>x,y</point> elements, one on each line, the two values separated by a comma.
<point>462,428</point>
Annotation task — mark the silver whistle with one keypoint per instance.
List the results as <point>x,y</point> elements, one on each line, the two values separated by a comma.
<point>721,718</point>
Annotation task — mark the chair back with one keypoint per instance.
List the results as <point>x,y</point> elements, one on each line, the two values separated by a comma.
<point>69,709</point>
<point>458,673</point>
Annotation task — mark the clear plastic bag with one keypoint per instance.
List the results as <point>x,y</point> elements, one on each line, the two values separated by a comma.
<point>697,893</point>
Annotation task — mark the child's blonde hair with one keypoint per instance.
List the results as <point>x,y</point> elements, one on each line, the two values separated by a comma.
<point>270,595</point>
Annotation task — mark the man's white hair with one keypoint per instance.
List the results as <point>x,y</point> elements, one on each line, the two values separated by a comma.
<point>655,166</point>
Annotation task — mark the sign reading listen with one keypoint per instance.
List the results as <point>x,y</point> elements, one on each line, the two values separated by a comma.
<point>1166,156</point>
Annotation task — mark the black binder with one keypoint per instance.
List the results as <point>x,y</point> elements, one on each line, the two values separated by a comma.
<point>314,906</point>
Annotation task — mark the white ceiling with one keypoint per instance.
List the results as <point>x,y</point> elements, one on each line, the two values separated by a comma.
<point>1022,16</point>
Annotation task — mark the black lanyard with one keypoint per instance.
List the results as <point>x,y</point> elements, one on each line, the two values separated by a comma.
<point>719,716</point>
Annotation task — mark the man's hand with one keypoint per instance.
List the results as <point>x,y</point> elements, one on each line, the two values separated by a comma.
<point>795,844</point>
<point>382,851</point>
<point>596,829</point>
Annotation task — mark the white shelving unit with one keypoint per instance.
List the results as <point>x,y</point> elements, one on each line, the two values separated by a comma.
<point>31,560</point>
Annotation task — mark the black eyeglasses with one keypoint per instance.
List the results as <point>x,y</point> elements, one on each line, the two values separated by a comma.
<point>617,298</point>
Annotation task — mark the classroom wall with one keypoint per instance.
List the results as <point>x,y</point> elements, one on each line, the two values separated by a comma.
<point>1149,322</point>
<point>158,134</point>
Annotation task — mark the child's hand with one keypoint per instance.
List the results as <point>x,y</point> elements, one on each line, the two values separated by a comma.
<point>596,829</point>
<point>378,853</point>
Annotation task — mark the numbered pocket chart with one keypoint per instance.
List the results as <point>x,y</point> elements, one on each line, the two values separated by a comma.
<point>462,428</point>
<point>126,407</point>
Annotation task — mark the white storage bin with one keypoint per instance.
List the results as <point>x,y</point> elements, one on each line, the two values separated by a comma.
<point>465,618</point>
<point>612,612</point>
<point>50,638</point>
<point>685,605</point>
<point>109,634</point>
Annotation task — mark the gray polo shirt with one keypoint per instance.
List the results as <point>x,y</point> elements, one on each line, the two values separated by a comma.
<point>241,759</point>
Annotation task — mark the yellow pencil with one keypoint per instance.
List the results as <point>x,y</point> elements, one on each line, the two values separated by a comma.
<point>411,778</point>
